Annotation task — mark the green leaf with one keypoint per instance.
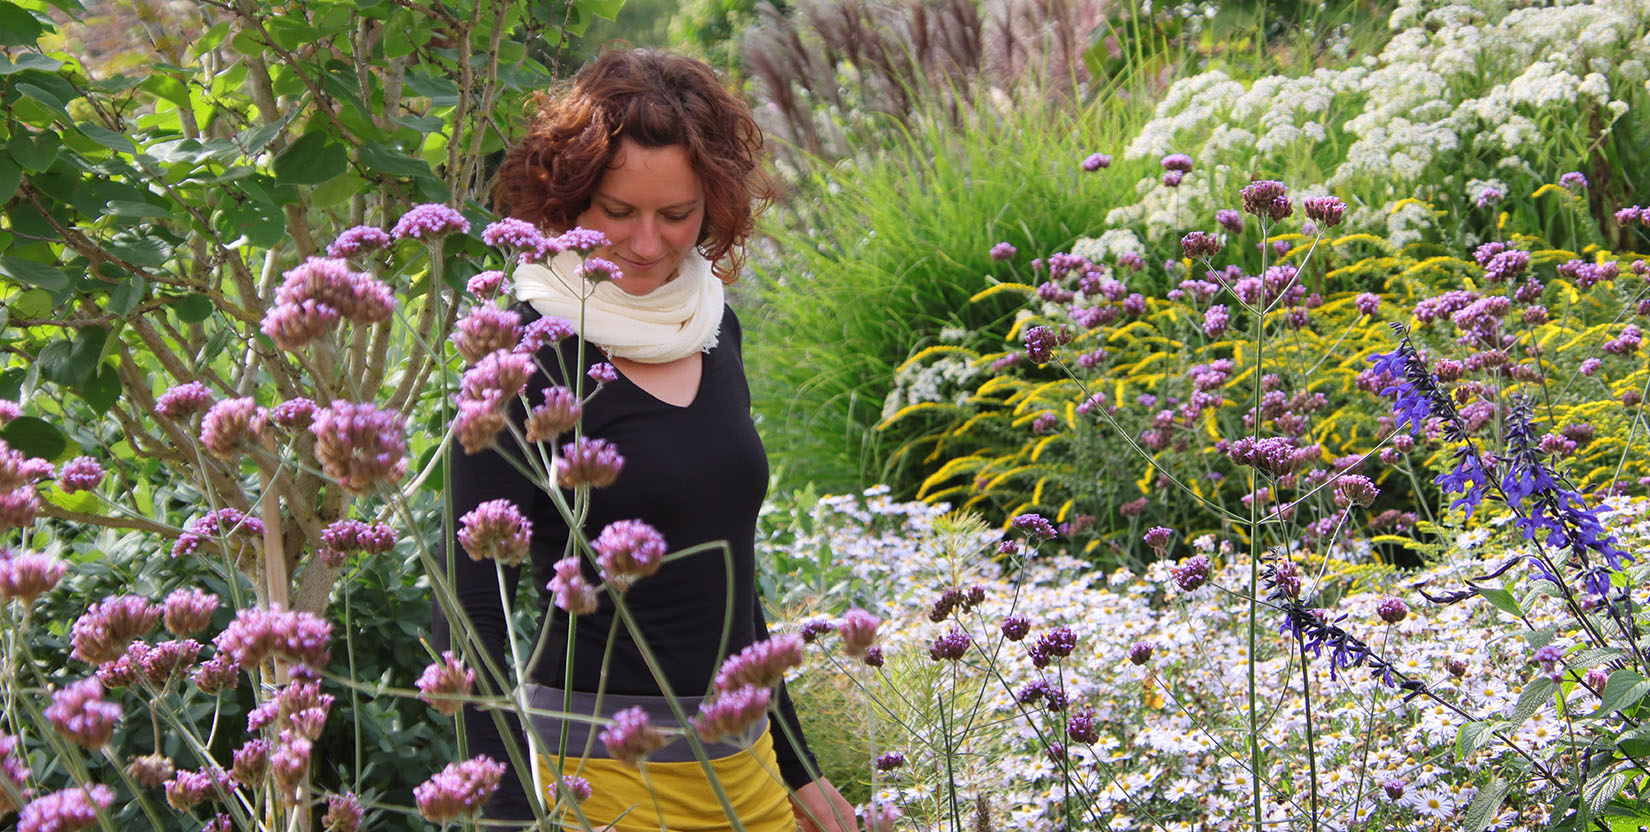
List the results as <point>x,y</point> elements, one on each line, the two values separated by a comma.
<point>1600,790</point>
<point>143,251</point>
<point>1535,692</point>
<point>1473,736</point>
<point>18,27</point>
<point>127,295</point>
<point>137,210</point>
<point>383,159</point>
<point>311,160</point>
<point>1501,600</point>
<point>50,102</point>
<point>11,175</point>
<point>168,88</point>
<point>82,359</point>
<point>35,151</point>
<point>261,222</point>
<point>608,9</point>
<point>35,437</point>
<point>1484,805</point>
<point>1624,690</point>
<point>104,136</point>
<point>35,274</point>
<point>1635,742</point>
<point>102,389</point>
<point>29,60</point>
<point>193,309</point>
<point>35,303</point>
<point>256,139</point>
<point>337,191</point>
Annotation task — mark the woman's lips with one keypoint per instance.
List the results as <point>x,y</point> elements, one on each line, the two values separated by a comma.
<point>639,266</point>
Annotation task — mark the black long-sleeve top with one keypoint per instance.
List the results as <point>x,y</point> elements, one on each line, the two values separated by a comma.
<point>697,474</point>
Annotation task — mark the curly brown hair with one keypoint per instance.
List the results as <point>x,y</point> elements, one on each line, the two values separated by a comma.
<point>655,99</point>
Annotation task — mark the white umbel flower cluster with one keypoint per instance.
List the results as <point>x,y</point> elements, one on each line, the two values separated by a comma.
<point>1459,82</point>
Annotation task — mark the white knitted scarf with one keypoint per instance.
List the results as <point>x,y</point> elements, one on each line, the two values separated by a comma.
<point>673,321</point>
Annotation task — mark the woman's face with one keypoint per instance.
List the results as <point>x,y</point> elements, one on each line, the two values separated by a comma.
<point>650,204</point>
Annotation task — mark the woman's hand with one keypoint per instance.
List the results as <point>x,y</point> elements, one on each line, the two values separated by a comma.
<point>819,807</point>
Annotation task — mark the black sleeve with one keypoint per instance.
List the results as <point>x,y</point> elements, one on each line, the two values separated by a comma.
<point>796,761</point>
<point>475,479</point>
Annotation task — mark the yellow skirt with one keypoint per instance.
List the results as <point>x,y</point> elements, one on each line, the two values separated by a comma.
<point>681,799</point>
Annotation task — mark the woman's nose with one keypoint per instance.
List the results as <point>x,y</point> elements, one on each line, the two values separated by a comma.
<point>646,242</point>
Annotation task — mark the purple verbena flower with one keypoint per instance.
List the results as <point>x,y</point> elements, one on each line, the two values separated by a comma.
<point>1230,220</point>
<point>761,663</point>
<point>1035,526</point>
<point>486,329</point>
<point>1003,251</point>
<point>103,632</point>
<point>1324,210</point>
<point>81,714</point>
<point>858,629</point>
<point>1392,610</point>
<point>951,646</point>
<point>1573,181</point>
<point>495,530</point>
<point>627,551</point>
<point>230,423</point>
<point>428,221</point>
<point>444,680</point>
<point>1259,197</point>
<point>1080,727</point>
<point>188,611</point>
<point>459,789</point>
<point>487,285</point>
<point>28,575</point>
<point>587,461</point>
<point>359,445</point>
<point>82,473</point>
<point>1177,162</point>
<point>632,737</point>
<point>344,813</point>
<point>1096,161</point>
<point>889,761</point>
<point>1191,573</point>
<point>582,240</point>
<point>361,239</point>
<point>1200,244</point>
<point>257,634</point>
<point>293,414</point>
<point>66,810</point>
<point>183,400</point>
<point>559,414</point>
<point>603,373</point>
<point>731,713</point>
<point>512,233</point>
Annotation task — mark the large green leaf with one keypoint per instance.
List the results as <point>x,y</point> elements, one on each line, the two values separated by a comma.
<point>1624,690</point>
<point>311,160</point>
<point>29,60</point>
<point>41,275</point>
<point>389,161</point>
<point>102,389</point>
<point>35,437</point>
<point>18,27</point>
<point>34,151</point>
<point>11,175</point>
<point>1485,804</point>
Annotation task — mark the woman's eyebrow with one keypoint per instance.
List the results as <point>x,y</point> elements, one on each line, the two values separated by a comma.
<point>692,203</point>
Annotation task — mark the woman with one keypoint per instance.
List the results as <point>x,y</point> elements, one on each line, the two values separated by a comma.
<point>654,152</point>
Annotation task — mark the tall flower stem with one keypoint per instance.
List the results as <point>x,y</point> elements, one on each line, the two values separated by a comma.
<point>1311,735</point>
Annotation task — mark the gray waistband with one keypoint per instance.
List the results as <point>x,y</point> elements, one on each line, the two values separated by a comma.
<point>581,732</point>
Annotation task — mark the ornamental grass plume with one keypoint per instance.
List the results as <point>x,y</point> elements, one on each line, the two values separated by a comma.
<point>495,530</point>
<point>103,632</point>
<point>762,663</point>
<point>627,551</point>
<point>66,810</point>
<point>429,221</point>
<point>559,414</point>
<point>443,684</point>
<point>632,737</point>
<point>27,576</point>
<point>359,445</point>
<point>731,713</point>
<point>587,461</point>
<point>82,716</point>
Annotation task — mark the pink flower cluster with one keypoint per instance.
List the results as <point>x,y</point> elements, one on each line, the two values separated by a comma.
<point>430,220</point>
<point>558,415</point>
<point>81,714</point>
<point>316,294</point>
<point>28,575</point>
<point>231,422</point>
<point>632,737</point>
<point>572,592</point>
<point>496,379</point>
<point>459,789</point>
<point>762,663</point>
<point>627,551</point>
<point>443,680</point>
<point>585,461</point>
<point>183,400</point>
<point>256,634</point>
<point>486,329</point>
<point>495,530</point>
<point>731,713</point>
<point>66,810</point>
<point>359,445</point>
<point>104,631</point>
<point>219,526</point>
<point>344,537</point>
